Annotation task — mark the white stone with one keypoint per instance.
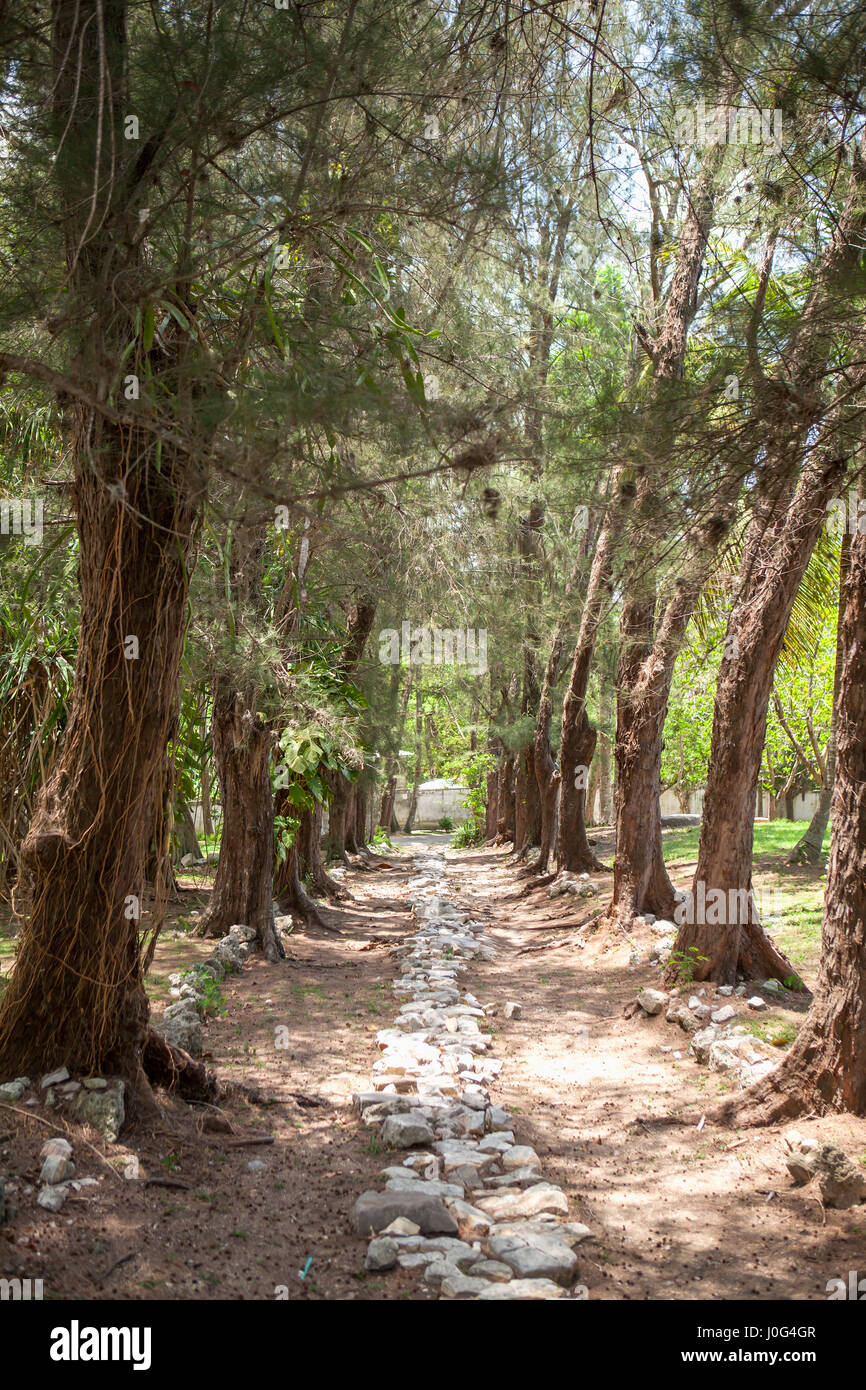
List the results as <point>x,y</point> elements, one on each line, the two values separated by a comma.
<point>652,1001</point>
<point>520,1156</point>
<point>405,1131</point>
<point>522,1289</point>
<point>54,1078</point>
<point>724,1015</point>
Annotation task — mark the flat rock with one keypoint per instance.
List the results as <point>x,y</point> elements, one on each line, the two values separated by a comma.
<point>54,1078</point>
<point>515,1178</point>
<point>416,1259</point>
<point>406,1131</point>
<point>498,1142</point>
<point>523,1289</point>
<point>543,1196</point>
<point>440,1269</point>
<point>462,1286</point>
<point>570,1232</point>
<point>494,1270</point>
<point>520,1156</point>
<point>373,1211</point>
<point>535,1256</point>
<point>412,1183</point>
<point>724,1014</point>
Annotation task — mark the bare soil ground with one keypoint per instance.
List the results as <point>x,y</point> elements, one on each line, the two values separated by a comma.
<point>677,1212</point>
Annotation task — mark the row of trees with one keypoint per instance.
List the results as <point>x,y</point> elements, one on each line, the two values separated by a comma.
<point>319,321</point>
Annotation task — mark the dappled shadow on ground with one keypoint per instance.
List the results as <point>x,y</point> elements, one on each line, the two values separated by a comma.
<point>680,1212</point>
<point>677,1212</point>
<point>300,1036</point>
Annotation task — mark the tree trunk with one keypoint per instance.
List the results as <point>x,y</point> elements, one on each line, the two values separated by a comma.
<point>308,839</point>
<point>361,816</point>
<point>809,849</point>
<point>337,812</point>
<point>825,1069</point>
<point>778,545</point>
<point>578,735</point>
<point>290,892</point>
<point>416,770</point>
<point>547,774</point>
<point>640,878</point>
<point>592,791</point>
<point>186,839</point>
<point>527,823</point>
<point>159,866</point>
<point>243,886</point>
<point>386,810</point>
<point>506,802</point>
<point>359,625</point>
<point>206,814</point>
<point>491,809</point>
<point>350,819</point>
<point>527,819</point>
<point>756,630</point>
<point>76,997</point>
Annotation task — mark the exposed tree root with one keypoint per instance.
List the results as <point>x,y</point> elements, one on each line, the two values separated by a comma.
<point>537,882</point>
<point>176,1071</point>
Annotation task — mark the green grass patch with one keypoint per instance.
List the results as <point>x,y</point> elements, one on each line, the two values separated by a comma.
<point>773,1030</point>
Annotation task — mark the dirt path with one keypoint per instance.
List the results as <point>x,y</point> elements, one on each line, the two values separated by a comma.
<point>677,1213</point>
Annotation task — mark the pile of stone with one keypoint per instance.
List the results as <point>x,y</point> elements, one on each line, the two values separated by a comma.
<point>467,1204</point>
<point>58,1175</point>
<point>181,1023</point>
<point>93,1100</point>
<point>841,1181</point>
<point>577,885</point>
<point>718,1040</point>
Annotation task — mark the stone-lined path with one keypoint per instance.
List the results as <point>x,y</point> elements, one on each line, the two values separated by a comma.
<point>466,1204</point>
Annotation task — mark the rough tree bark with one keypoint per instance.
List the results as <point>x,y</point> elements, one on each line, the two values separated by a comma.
<point>646,663</point>
<point>778,545</point>
<point>243,886</point>
<point>76,996</point>
<point>756,630</point>
<point>809,849</point>
<point>419,746</point>
<point>185,837</point>
<point>825,1069</point>
<point>527,818</point>
<point>578,735</point>
<point>547,775</point>
<point>506,802</point>
<point>358,629</point>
